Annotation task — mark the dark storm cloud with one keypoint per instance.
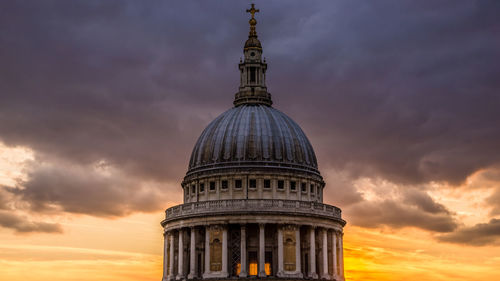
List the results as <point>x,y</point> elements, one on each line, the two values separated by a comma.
<point>423,202</point>
<point>415,209</point>
<point>404,90</point>
<point>407,91</point>
<point>479,235</point>
<point>93,191</point>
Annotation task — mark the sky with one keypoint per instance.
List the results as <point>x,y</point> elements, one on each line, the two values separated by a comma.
<point>101,103</point>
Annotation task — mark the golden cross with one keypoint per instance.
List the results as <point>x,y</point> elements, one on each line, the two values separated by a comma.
<point>253,10</point>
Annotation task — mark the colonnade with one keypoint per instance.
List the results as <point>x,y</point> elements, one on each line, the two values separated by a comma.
<point>328,253</point>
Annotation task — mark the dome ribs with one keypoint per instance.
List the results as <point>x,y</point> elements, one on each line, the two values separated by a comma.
<point>297,138</point>
<point>276,135</point>
<point>219,133</point>
<point>204,153</point>
<point>251,143</point>
<point>252,136</point>
<point>285,130</point>
<point>241,133</point>
<point>227,141</point>
<point>265,136</point>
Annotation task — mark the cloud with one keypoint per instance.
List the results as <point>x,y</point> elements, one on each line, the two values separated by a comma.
<point>339,189</point>
<point>494,202</point>
<point>424,202</point>
<point>381,203</point>
<point>132,86</point>
<point>479,235</point>
<point>397,215</point>
<point>24,225</point>
<point>98,191</point>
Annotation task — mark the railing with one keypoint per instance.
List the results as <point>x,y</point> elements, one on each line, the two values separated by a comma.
<point>252,206</point>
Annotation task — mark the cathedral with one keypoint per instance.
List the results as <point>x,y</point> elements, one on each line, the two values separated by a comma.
<point>253,195</point>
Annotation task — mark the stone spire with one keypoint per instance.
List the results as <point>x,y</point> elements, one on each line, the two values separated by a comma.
<point>252,88</point>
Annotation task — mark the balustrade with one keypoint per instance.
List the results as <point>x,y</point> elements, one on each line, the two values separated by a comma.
<point>253,205</point>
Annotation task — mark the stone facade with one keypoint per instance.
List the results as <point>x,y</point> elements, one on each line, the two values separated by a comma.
<point>253,195</point>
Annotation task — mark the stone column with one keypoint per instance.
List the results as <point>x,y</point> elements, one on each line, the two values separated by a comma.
<point>324,251</point>
<point>171,275</point>
<point>341,254</point>
<point>243,252</point>
<point>180,256</point>
<point>298,269</point>
<point>207,252</point>
<point>165,256</point>
<point>334,254</point>
<point>280,252</point>
<point>224,252</point>
<point>192,254</point>
<point>262,250</point>
<point>312,253</point>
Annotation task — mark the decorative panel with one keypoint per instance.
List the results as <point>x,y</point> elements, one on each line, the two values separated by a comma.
<point>289,248</point>
<point>215,249</point>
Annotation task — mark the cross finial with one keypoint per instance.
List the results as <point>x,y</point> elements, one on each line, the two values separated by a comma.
<point>253,10</point>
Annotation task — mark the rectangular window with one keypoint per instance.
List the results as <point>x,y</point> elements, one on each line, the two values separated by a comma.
<point>267,183</point>
<point>238,184</point>
<point>224,184</point>
<point>253,183</point>
<point>212,186</point>
<point>193,189</point>
<point>303,187</point>
<point>293,185</point>
<point>202,187</point>
<point>312,188</point>
<point>281,184</point>
<point>252,75</point>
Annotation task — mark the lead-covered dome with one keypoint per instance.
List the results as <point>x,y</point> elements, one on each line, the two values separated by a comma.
<point>253,135</point>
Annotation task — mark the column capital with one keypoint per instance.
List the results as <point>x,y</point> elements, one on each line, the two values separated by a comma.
<point>289,226</point>
<point>217,226</point>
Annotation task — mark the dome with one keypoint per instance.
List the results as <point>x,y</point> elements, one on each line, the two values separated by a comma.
<point>253,42</point>
<point>253,196</point>
<point>253,135</point>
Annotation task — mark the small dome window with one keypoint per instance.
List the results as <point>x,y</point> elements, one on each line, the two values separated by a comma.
<point>238,184</point>
<point>253,183</point>
<point>267,183</point>
<point>281,184</point>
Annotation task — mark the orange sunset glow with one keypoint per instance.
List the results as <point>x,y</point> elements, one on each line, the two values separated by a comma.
<point>102,102</point>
